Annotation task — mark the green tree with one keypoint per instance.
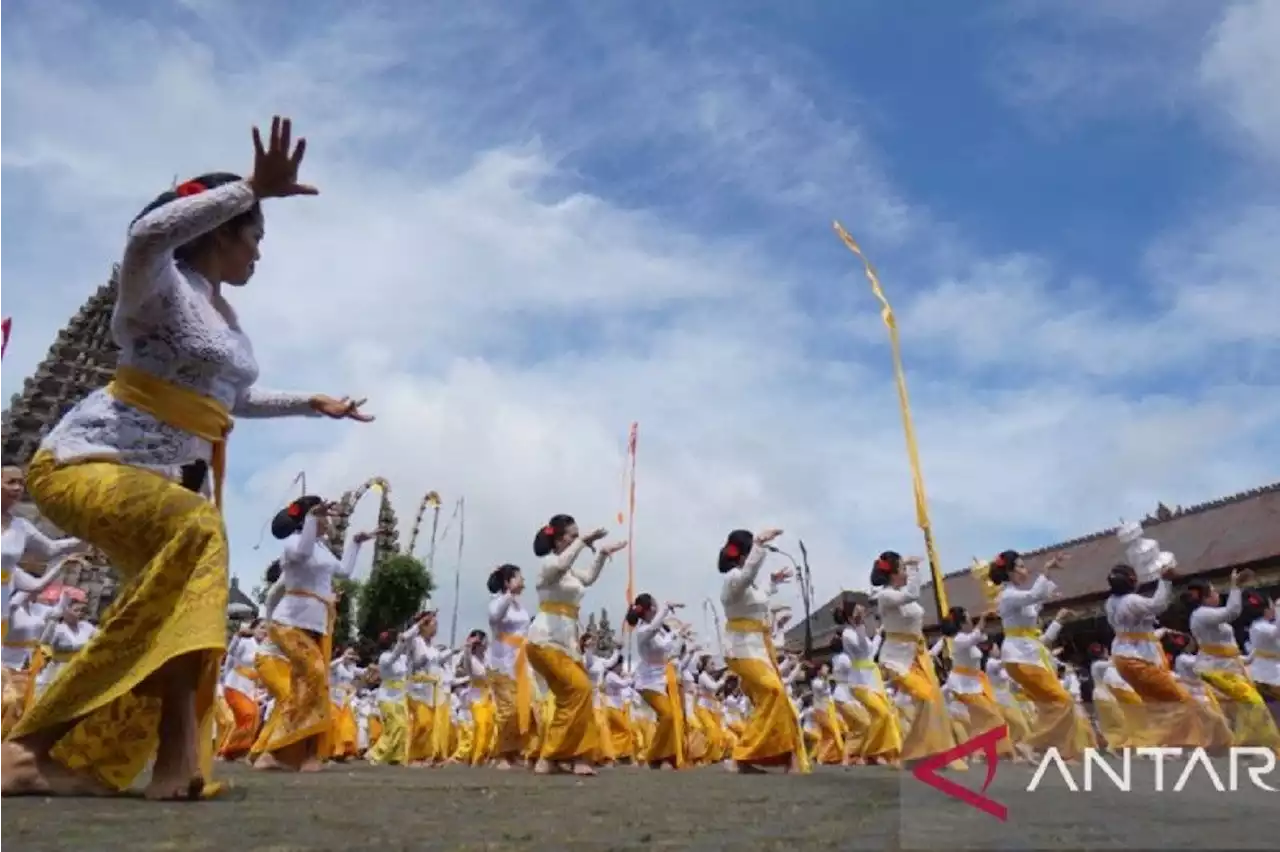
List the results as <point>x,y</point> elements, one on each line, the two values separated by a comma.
<point>348,592</point>
<point>393,595</point>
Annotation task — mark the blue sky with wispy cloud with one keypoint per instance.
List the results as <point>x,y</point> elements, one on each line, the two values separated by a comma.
<point>543,220</point>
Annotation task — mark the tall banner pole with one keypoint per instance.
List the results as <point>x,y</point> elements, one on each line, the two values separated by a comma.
<point>457,573</point>
<point>913,453</point>
<point>632,439</point>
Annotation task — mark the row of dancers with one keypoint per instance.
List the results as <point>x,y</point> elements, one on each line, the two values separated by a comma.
<point>137,469</point>
<point>287,702</point>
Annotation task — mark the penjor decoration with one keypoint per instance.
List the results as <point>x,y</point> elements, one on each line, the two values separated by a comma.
<point>908,427</point>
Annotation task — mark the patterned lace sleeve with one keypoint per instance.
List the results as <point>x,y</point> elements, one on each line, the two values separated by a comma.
<point>259,403</point>
<point>153,238</point>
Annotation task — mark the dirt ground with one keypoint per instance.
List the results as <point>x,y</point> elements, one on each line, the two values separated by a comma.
<point>359,807</point>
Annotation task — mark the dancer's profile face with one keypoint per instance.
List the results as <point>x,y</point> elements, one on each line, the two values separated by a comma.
<point>515,585</point>
<point>12,486</point>
<point>240,251</point>
<point>567,537</point>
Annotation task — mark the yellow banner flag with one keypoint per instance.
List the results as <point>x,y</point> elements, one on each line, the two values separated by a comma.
<point>913,453</point>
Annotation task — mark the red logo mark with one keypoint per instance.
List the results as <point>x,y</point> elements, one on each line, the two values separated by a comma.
<point>927,771</point>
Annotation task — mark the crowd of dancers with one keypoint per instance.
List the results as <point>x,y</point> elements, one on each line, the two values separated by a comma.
<point>136,471</point>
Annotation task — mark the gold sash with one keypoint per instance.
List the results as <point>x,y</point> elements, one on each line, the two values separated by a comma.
<point>524,680</point>
<point>181,408</point>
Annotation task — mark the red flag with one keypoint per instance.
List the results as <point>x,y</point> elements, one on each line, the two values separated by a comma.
<point>8,324</point>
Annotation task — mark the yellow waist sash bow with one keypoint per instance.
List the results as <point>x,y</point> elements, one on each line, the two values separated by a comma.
<point>524,681</point>
<point>395,684</point>
<point>326,641</point>
<point>1224,652</point>
<point>1038,635</point>
<point>748,625</point>
<point>1263,654</point>
<point>1146,636</point>
<point>180,408</point>
<point>568,610</point>
<point>970,671</point>
<point>676,700</point>
<point>905,638</point>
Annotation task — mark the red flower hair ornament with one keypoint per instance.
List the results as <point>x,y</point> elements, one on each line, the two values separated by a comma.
<point>295,510</point>
<point>191,187</point>
<point>999,561</point>
<point>731,551</point>
<point>883,566</point>
<point>549,530</point>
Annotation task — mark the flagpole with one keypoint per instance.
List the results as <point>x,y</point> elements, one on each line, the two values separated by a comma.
<point>457,573</point>
<point>632,438</point>
<point>913,454</point>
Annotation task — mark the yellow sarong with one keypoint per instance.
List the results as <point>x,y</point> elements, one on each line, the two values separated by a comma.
<point>772,734</point>
<point>169,547</point>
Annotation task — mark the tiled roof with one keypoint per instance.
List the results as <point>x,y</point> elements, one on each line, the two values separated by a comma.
<point>1237,530</point>
<point>1242,529</point>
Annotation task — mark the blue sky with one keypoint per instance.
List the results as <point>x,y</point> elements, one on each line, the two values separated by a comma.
<point>541,221</point>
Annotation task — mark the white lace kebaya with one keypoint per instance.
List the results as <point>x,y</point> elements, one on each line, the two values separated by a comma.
<point>173,324</point>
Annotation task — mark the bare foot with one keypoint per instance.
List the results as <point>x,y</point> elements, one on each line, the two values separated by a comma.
<point>666,767</point>
<point>545,767</point>
<point>267,763</point>
<point>502,765</point>
<point>583,769</point>
<point>311,765</point>
<point>23,774</point>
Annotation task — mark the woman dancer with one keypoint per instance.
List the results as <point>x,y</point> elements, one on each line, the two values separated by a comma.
<point>21,540</point>
<point>65,633</point>
<point>344,671</point>
<point>21,654</point>
<point>657,681</point>
<point>895,587</point>
<point>478,699</point>
<point>184,369</point>
<point>1112,721</point>
<point>430,678</point>
<point>1219,664</point>
<point>1026,656</point>
<point>617,697</point>
<point>1168,716</point>
<point>572,735</point>
<point>296,736</point>
<point>1011,709</point>
<point>873,720</point>
<point>1259,616</point>
<point>709,711</point>
<point>510,678</point>
<point>392,746</point>
<point>240,690</point>
<point>772,735</point>
<point>831,741</point>
<point>1181,653</point>
<point>596,667</point>
<point>968,681</point>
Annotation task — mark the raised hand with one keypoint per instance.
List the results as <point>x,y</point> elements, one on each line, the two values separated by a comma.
<point>781,576</point>
<point>768,535</point>
<point>362,537</point>
<point>611,549</point>
<point>275,168</point>
<point>595,535</point>
<point>340,409</point>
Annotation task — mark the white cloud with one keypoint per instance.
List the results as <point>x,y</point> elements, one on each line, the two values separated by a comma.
<point>509,316</point>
